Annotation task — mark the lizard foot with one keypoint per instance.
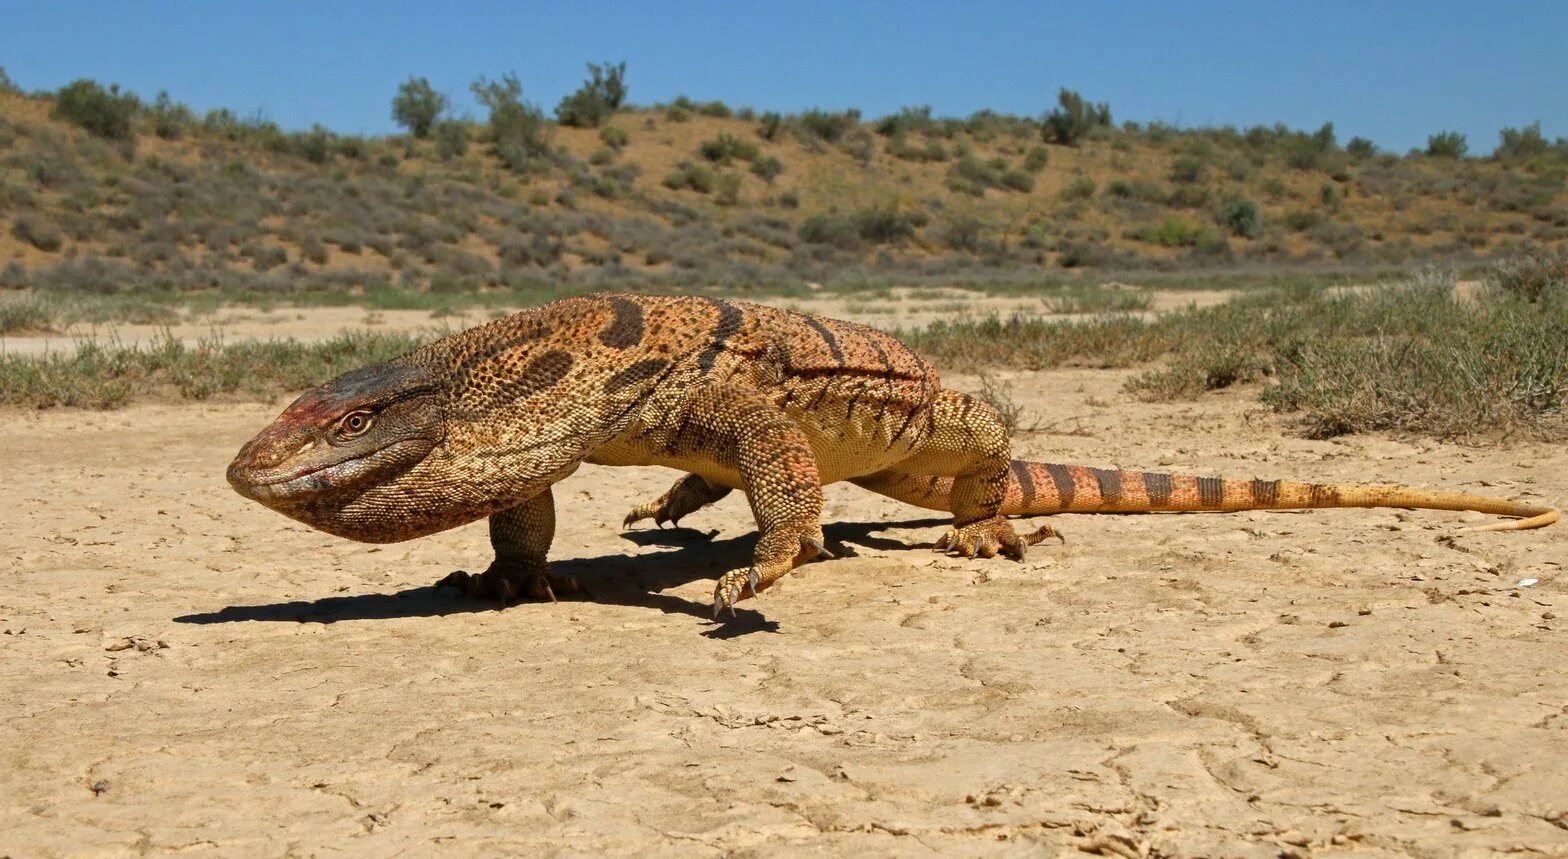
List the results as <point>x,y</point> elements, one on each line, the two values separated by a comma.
<point>686,496</point>
<point>509,582</point>
<point>987,537</point>
<point>737,585</point>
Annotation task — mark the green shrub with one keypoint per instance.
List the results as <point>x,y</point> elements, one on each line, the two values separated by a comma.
<point>769,125</point>
<point>451,138</point>
<point>106,113</point>
<point>1073,118</point>
<point>715,109</point>
<point>417,106</point>
<point>697,177</point>
<point>37,232</point>
<point>1170,233</point>
<point>518,130</point>
<point>828,126</point>
<point>680,110</point>
<point>1081,188</point>
<point>1036,159</point>
<point>600,96</point>
<point>885,224</point>
<point>1447,144</point>
<point>1188,170</point>
<point>1524,142</point>
<point>169,118</point>
<point>1242,218</point>
<point>727,147</point>
<point>7,85</point>
<point>829,230</point>
<point>614,137</point>
<point>1360,147</point>
<point>767,168</point>
<point>728,189</point>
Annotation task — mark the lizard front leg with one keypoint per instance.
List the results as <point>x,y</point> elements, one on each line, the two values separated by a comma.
<point>747,436</point>
<point>521,538</point>
<point>689,494</point>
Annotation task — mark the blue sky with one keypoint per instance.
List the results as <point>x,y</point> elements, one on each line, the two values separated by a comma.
<point>1394,72</point>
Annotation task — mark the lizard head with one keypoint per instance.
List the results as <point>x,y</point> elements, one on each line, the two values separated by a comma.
<point>338,442</point>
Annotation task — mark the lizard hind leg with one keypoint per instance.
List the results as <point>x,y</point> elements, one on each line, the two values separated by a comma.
<point>689,494</point>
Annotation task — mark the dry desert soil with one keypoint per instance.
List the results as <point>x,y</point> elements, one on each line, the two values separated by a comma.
<point>183,670</point>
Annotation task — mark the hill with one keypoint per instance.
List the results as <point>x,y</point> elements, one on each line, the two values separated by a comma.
<point>102,193</point>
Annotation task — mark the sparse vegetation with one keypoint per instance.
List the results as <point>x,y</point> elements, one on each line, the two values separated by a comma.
<point>104,112</point>
<point>1447,144</point>
<point>417,106</point>
<point>597,100</point>
<point>1074,118</point>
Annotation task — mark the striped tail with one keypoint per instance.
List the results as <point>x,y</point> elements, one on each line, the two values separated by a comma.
<point>1040,488</point>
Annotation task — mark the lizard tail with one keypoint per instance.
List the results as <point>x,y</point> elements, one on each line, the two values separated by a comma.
<point>1041,488</point>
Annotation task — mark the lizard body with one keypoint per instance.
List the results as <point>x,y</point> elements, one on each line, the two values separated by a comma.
<point>738,396</point>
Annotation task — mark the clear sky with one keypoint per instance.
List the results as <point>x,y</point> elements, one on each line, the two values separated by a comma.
<point>1394,72</point>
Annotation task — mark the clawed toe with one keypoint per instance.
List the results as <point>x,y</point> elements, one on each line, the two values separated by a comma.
<point>508,585</point>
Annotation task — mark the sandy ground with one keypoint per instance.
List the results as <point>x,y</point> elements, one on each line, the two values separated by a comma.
<point>182,670</point>
<point>902,308</point>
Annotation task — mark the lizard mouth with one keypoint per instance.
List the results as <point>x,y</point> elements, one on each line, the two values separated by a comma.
<point>283,487</point>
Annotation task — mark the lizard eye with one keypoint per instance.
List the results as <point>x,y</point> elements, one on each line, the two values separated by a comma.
<point>354,424</point>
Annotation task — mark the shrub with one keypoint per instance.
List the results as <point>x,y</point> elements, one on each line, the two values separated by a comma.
<point>37,232</point>
<point>417,106</point>
<point>1188,170</point>
<point>519,131</point>
<point>964,233</point>
<point>728,189</point>
<point>1242,218</point>
<point>697,177</point>
<point>767,168</point>
<point>1081,188</point>
<point>7,85</point>
<point>1532,275</point>
<point>727,147</point>
<point>597,100</point>
<point>1016,180</point>
<point>885,224</point>
<point>1360,147</point>
<point>860,146</point>
<point>1447,144</point>
<point>614,137</point>
<point>715,109</point>
<point>1301,220</point>
<point>1524,142</point>
<point>829,230</point>
<point>768,125</point>
<point>828,126</point>
<point>1073,119</point>
<point>106,113</point>
<point>1169,233</point>
<point>169,118</point>
<point>1036,159</point>
<point>680,110</point>
<point>451,138</point>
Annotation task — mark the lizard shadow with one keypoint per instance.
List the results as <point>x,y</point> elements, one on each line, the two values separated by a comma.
<point>629,580</point>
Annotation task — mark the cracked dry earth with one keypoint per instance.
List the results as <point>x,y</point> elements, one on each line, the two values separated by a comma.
<point>183,670</point>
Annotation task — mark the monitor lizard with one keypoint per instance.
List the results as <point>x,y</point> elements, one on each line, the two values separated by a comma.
<point>737,395</point>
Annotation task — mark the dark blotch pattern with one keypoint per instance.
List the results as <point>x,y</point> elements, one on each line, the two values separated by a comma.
<point>1025,480</point>
<point>729,324</point>
<point>1158,487</point>
<point>626,329</point>
<point>540,375</point>
<point>1110,485</point>
<point>642,371</point>
<point>1062,476</point>
<point>1211,490</point>
<point>828,338</point>
<point>1265,491</point>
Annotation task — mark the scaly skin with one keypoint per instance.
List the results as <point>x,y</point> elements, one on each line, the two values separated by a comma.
<point>738,396</point>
